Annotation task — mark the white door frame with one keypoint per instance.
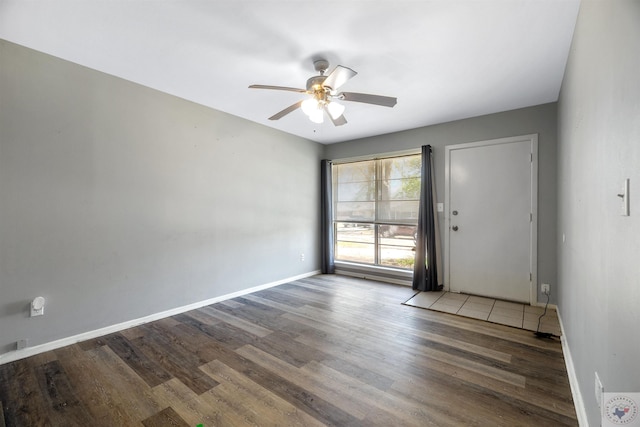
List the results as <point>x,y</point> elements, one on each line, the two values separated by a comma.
<point>533,258</point>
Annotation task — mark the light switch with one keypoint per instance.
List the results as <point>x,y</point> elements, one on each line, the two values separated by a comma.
<point>440,207</point>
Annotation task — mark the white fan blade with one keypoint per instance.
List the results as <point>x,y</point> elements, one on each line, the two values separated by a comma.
<point>286,111</point>
<point>339,121</point>
<point>338,77</point>
<point>291,89</point>
<point>385,101</point>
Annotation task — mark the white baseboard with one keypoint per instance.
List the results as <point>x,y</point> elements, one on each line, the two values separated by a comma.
<point>549,306</point>
<point>578,402</point>
<point>52,345</point>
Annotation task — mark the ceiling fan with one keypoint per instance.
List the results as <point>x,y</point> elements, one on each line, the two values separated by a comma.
<point>324,94</point>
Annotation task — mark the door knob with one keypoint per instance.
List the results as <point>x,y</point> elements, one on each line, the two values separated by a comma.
<point>454,228</point>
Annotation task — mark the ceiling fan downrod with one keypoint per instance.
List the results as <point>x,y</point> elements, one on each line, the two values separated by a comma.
<point>321,66</point>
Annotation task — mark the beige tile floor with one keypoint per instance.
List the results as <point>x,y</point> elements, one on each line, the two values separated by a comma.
<point>503,312</point>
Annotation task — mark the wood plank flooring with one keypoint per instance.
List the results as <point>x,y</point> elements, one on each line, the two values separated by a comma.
<point>327,350</point>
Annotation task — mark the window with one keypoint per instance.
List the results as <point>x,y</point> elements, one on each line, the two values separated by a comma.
<point>375,205</point>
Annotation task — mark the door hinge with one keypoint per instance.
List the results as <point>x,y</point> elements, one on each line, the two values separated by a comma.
<point>531,157</point>
<point>530,217</point>
<point>530,276</point>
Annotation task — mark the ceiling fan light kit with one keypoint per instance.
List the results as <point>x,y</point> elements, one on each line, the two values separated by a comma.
<point>323,91</point>
<point>313,109</point>
<point>335,110</point>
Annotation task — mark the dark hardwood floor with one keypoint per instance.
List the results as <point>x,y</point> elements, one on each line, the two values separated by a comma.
<point>327,350</point>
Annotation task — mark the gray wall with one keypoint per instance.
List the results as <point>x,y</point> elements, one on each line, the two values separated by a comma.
<point>599,135</point>
<point>117,201</point>
<point>540,119</point>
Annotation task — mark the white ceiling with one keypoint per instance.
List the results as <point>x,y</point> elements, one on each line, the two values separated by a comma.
<point>443,59</point>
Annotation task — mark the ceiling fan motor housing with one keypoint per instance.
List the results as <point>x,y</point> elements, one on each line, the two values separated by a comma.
<point>314,84</point>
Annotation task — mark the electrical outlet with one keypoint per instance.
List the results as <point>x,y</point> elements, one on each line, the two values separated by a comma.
<point>37,307</point>
<point>599,391</point>
<point>22,344</point>
<point>545,288</point>
<point>301,257</point>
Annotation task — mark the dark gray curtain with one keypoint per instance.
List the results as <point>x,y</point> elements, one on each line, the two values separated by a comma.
<point>425,267</point>
<point>326,225</point>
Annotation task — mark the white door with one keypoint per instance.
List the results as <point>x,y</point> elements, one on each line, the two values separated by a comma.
<point>491,202</point>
